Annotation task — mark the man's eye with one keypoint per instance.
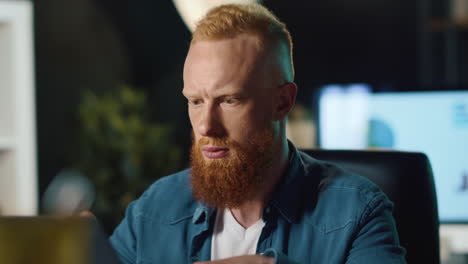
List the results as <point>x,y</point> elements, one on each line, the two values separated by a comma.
<point>195,101</point>
<point>230,101</point>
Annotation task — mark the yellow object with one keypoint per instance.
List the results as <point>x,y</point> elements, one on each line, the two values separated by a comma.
<point>45,240</point>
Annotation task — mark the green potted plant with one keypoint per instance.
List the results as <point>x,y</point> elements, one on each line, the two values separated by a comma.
<point>121,151</point>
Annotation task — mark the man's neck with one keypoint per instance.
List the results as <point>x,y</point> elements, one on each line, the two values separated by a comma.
<point>251,211</point>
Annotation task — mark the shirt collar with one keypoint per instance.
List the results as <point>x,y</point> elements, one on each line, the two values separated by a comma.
<point>287,197</point>
<point>202,213</point>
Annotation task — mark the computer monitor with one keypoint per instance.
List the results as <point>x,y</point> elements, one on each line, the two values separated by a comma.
<point>432,122</point>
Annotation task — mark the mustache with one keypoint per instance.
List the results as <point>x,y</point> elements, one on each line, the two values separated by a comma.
<point>215,141</point>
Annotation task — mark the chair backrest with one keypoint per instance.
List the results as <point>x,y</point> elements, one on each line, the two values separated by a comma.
<point>407,179</point>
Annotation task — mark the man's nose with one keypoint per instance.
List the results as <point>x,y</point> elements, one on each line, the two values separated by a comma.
<point>210,124</point>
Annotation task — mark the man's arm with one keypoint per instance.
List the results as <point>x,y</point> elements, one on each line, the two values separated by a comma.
<point>248,259</point>
<point>270,256</point>
<point>123,240</point>
<point>377,238</point>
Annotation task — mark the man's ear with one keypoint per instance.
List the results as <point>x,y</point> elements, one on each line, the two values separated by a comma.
<point>286,97</point>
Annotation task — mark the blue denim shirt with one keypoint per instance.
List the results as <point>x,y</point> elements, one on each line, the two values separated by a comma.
<point>318,214</point>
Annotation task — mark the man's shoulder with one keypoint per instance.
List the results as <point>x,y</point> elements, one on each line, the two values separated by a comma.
<point>333,177</point>
<point>341,180</point>
<point>343,196</point>
<point>179,181</point>
<point>169,199</point>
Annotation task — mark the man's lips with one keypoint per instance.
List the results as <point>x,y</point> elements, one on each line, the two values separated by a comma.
<point>213,152</point>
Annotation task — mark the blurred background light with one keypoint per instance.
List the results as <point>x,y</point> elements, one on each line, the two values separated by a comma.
<point>70,192</point>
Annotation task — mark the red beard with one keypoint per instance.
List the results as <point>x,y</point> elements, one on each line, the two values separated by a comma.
<point>229,182</point>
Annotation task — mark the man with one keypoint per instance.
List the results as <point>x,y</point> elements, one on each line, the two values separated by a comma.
<point>250,195</point>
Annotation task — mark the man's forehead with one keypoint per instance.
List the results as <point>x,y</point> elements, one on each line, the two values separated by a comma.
<point>227,58</point>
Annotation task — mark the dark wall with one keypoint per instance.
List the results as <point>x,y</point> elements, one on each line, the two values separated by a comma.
<point>340,41</point>
<point>98,45</point>
<point>77,48</point>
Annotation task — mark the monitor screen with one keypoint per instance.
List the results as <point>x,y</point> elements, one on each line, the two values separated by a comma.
<point>435,123</point>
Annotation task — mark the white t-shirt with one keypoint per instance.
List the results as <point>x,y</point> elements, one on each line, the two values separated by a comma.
<point>230,239</point>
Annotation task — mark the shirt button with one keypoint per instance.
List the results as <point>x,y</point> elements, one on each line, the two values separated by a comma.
<point>267,210</point>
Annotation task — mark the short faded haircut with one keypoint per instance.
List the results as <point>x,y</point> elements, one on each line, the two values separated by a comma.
<point>231,20</point>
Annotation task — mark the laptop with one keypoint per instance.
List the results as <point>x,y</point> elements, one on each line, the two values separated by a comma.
<point>53,240</point>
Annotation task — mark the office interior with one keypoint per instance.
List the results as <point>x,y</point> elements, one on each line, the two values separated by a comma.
<point>90,96</point>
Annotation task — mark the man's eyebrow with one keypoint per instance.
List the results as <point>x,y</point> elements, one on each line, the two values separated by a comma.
<point>229,95</point>
<point>188,93</point>
<point>218,94</point>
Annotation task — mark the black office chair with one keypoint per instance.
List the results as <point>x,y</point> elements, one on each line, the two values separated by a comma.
<point>407,179</point>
